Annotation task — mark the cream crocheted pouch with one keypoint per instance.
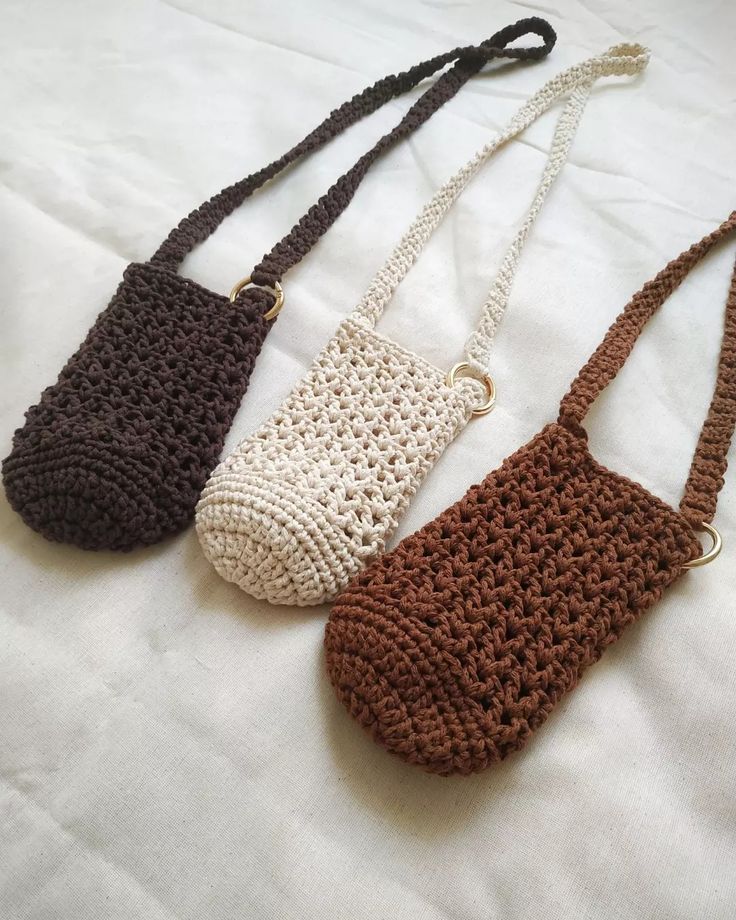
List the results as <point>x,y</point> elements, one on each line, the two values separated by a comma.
<point>305,503</point>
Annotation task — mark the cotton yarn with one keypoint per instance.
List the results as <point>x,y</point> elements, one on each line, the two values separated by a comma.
<point>452,649</point>
<point>117,451</point>
<point>308,500</point>
<point>301,506</point>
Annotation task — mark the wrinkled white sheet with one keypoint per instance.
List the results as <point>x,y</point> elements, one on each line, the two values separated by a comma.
<point>170,748</point>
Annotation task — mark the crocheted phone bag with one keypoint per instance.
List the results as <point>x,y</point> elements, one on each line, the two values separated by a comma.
<point>117,451</point>
<point>454,647</point>
<point>307,501</point>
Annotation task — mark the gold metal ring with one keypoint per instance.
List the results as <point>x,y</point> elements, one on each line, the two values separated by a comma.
<point>712,552</point>
<point>463,369</point>
<point>277,290</point>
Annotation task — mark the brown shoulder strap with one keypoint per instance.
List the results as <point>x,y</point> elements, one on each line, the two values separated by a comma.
<point>709,463</point>
<point>204,220</point>
<point>705,479</point>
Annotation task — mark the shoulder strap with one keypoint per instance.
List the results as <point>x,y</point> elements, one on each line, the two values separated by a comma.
<point>709,463</point>
<point>576,82</point>
<point>204,220</point>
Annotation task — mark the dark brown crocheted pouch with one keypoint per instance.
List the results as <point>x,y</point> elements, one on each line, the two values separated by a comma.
<point>454,647</point>
<point>118,449</point>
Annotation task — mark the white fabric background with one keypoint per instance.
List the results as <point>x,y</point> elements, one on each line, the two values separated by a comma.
<point>170,748</point>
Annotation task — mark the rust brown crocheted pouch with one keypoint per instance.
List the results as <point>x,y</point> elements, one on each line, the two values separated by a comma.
<point>454,647</point>
<point>117,451</point>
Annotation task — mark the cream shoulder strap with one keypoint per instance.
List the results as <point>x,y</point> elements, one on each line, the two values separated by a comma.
<point>577,82</point>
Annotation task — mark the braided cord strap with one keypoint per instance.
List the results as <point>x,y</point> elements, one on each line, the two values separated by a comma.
<point>705,479</point>
<point>205,219</point>
<point>709,463</point>
<point>479,344</point>
<point>575,81</point>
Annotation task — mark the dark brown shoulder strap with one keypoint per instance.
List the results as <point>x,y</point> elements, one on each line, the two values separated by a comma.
<point>709,463</point>
<point>203,221</point>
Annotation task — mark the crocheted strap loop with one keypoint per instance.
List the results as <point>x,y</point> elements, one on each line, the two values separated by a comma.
<point>204,220</point>
<point>705,478</point>
<point>575,82</point>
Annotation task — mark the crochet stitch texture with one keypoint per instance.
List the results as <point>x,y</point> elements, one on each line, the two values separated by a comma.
<point>293,514</point>
<point>117,451</point>
<point>452,649</point>
<point>308,500</point>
